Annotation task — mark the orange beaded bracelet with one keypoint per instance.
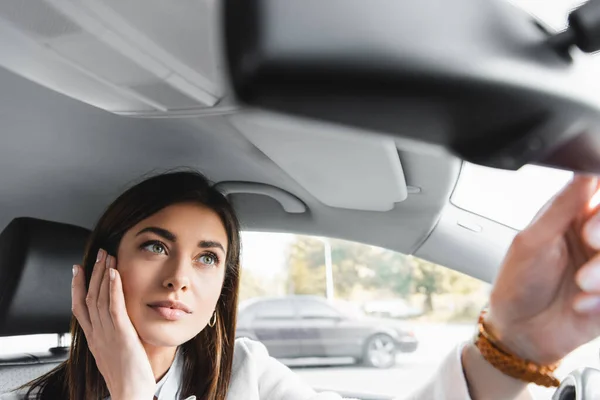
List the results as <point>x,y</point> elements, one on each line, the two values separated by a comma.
<point>501,359</point>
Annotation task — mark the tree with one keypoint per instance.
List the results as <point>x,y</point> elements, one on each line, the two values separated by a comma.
<point>428,279</point>
<point>391,271</point>
<point>372,269</point>
<point>431,279</point>
<point>250,285</point>
<point>306,267</point>
<point>354,266</point>
<point>351,265</point>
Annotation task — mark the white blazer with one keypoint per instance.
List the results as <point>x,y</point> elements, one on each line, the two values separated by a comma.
<point>257,376</point>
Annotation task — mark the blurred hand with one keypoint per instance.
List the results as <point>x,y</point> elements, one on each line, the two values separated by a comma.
<point>546,300</point>
<point>111,337</point>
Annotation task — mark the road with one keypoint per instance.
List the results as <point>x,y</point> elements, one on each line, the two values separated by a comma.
<point>415,369</point>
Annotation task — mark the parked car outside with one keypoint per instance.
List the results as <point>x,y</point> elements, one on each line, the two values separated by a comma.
<point>311,326</point>
<point>393,308</point>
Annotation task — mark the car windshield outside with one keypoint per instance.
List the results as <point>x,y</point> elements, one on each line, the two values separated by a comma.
<point>552,13</point>
<point>509,197</point>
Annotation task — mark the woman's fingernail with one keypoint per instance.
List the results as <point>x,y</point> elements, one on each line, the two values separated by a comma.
<point>592,231</point>
<point>75,270</point>
<point>587,304</point>
<point>100,256</point>
<point>589,279</point>
<point>595,200</point>
<point>112,274</point>
<point>108,261</point>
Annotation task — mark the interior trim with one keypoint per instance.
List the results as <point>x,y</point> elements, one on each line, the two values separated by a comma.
<point>290,203</point>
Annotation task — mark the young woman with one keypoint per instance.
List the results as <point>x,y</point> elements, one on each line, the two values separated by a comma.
<point>154,305</point>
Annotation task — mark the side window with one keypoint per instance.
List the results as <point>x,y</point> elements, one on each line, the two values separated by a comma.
<point>427,308</point>
<point>274,309</point>
<point>29,343</point>
<point>246,313</point>
<point>311,309</point>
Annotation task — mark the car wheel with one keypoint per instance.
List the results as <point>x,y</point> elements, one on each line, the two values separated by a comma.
<point>380,352</point>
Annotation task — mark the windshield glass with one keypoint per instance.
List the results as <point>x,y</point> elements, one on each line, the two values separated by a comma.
<point>509,197</point>
<point>552,13</point>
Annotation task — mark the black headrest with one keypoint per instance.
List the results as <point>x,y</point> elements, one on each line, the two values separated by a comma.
<point>36,260</point>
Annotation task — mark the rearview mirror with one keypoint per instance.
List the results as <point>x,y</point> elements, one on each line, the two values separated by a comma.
<point>481,78</point>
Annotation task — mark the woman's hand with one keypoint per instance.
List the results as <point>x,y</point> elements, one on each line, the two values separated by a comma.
<point>546,300</point>
<point>111,337</point>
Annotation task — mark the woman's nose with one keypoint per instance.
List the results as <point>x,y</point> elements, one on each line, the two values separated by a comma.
<point>176,283</point>
<point>178,277</point>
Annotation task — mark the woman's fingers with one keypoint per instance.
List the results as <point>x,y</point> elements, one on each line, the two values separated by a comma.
<point>78,294</point>
<point>104,297</point>
<point>558,214</point>
<point>102,308</point>
<point>94,289</point>
<point>117,308</point>
<point>591,231</point>
<point>586,303</point>
<point>588,276</point>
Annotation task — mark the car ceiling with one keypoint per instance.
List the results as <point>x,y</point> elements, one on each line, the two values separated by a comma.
<point>64,160</point>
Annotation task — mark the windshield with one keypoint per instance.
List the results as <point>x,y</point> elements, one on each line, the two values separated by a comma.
<point>509,197</point>
<point>552,13</point>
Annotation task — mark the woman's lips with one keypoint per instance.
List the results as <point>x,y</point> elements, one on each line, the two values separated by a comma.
<point>171,310</point>
<point>171,314</point>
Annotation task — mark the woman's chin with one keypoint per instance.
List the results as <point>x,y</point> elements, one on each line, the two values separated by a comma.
<point>164,336</point>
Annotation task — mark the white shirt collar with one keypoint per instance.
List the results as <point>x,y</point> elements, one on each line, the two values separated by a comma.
<point>169,379</point>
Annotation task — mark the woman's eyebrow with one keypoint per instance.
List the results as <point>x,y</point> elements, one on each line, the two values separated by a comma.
<point>203,244</point>
<point>160,232</point>
<point>208,244</point>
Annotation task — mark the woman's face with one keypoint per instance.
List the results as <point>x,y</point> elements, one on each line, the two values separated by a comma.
<point>172,266</point>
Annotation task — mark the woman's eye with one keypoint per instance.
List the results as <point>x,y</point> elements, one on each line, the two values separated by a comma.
<point>208,259</point>
<point>156,248</point>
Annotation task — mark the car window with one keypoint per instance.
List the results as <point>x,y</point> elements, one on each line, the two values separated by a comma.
<point>425,309</point>
<point>274,309</point>
<point>512,198</point>
<point>315,309</point>
<point>432,308</point>
<point>554,14</point>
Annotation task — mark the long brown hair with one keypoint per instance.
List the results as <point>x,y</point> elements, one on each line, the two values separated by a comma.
<point>208,357</point>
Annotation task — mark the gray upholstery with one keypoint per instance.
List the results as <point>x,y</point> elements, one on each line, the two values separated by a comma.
<point>23,368</point>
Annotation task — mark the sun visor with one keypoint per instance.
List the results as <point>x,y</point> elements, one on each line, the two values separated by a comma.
<point>341,167</point>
